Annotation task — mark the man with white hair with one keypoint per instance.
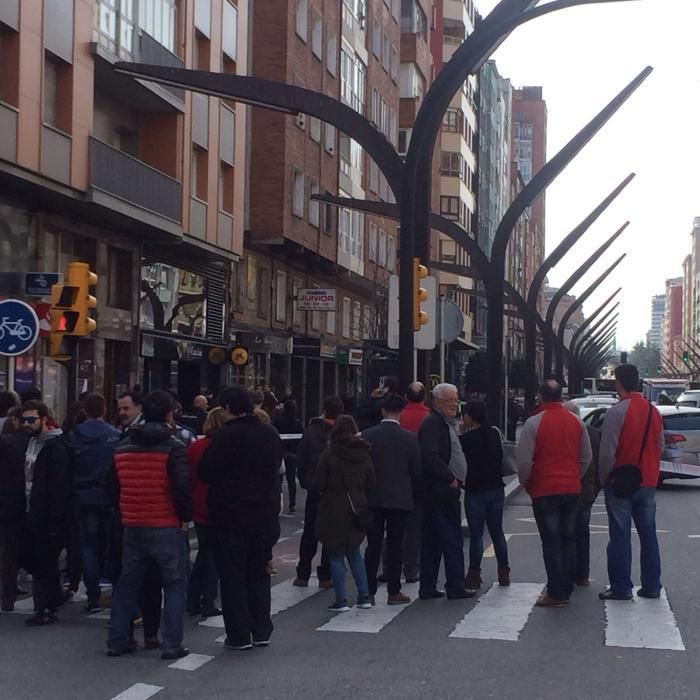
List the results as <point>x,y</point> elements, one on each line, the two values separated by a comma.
<point>444,472</point>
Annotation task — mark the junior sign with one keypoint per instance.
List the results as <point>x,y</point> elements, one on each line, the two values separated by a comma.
<point>316,299</point>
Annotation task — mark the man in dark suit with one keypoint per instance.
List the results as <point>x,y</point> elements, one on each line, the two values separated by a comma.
<point>396,457</point>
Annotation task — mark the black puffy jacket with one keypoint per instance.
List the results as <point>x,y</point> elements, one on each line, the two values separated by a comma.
<point>12,490</point>
<point>311,447</point>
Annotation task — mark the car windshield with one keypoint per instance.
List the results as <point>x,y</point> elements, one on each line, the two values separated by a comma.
<point>683,422</point>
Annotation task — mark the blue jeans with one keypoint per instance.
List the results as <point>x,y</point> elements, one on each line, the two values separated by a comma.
<point>204,579</point>
<point>93,538</point>
<point>556,521</point>
<point>167,548</point>
<point>441,537</point>
<point>359,573</point>
<point>640,508</point>
<point>486,508</point>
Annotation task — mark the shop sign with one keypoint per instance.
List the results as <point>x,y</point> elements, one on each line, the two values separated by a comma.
<point>38,284</point>
<point>328,350</point>
<point>307,347</point>
<point>355,356</point>
<point>316,299</point>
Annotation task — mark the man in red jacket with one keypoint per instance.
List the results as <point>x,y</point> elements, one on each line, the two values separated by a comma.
<point>626,437</point>
<point>151,481</point>
<point>553,454</point>
<point>416,410</point>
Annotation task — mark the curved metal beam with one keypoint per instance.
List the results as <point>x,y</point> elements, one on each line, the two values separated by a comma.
<point>270,94</point>
<point>579,331</point>
<point>575,306</point>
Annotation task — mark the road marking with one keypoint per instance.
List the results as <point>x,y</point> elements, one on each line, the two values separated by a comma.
<point>191,662</point>
<point>501,613</point>
<point>490,552</point>
<point>282,539</point>
<point>24,607</point>
<point>299,532</point>
<point>285,595</point>
<point>139,691</point>
<point>369,621</point>
<point>694,537</point>
<point>642,624</point>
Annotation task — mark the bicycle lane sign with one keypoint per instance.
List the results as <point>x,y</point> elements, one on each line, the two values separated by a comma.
<point>19,327</point>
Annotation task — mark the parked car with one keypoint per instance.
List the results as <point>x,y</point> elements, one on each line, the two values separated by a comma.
<point>680,458</point>
<point>587,404</point>
<point>689,398</point>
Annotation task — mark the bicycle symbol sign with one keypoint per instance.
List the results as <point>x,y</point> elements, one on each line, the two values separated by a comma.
<point>19,327</point>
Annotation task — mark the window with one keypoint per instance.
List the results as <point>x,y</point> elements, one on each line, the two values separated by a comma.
<point>413,19</point>
<point>229,31</point>
<point>377,39</point>
<point>396,10</point>
<point>393,127</point>
<point>158,18</point>
<point>302,18</point>
<point>298,193</point>
<point>386,52</point>
<point>453,121</point>
<point>391,254</point>
<point>449,207</point>
<point>226,187</point>
<point>384,118</point>
<point>373,177</point>
<point>373,235</point>
<point>375,107</point>
<point>330,139</point>
<point>411,82</point>
<point>382,248</point>
<point>251,281</point>
<point>366,322</point>
<point>314,205</point>
<point>315,129</point>
<point>352,80</point>
<point>346,317</point>
<point>199,175</point>
<point>332,55</point>
<point>452,164</point>
<point>394,69</point>
<point>50,92</point>
<point>317,35</point>
<point>120,276</point>
<point>263,292</point>
<point>330,322</point>
<point>328,218</point>
<point>404,141</point>
<point>280,296</point>
<point>448,251</point>
<point>9,65</point>
<point>356,314</point>
<point>315,320</point>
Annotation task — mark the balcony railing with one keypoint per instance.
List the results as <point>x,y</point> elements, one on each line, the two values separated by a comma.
<point>134,181</point>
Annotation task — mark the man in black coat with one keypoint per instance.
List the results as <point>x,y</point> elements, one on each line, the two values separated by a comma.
<point>12,511</point>
<point>396,458</point>
<point>313,443</point>
<point>444,473</point>
<point>241,467</point>
<point>49,471</point>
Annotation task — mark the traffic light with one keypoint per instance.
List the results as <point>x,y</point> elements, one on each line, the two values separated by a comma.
<point>63,318</point>
<point>623,358</point>
<point>80,277</point>
<point>420,272</point>
<point>658,370</point>
<point>686,356</point>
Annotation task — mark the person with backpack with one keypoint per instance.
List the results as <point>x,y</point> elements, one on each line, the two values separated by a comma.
<point>94,442</point>
<point>629,463</point>
<point>484,492</point>
<point>344,477</point>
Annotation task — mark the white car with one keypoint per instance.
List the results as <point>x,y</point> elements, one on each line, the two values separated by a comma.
<point>588,404</point>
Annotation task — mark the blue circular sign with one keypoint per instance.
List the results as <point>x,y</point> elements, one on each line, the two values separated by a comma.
<point>19,327</point>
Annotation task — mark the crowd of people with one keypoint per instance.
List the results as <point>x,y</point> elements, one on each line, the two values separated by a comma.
<point>121,501</point>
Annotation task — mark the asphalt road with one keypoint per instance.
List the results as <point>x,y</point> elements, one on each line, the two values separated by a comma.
<point>502,646</point>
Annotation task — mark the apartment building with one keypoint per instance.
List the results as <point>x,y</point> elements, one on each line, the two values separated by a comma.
<point>145,183</point>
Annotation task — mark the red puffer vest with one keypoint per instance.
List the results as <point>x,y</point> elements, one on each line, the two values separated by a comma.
<point>145,498</point>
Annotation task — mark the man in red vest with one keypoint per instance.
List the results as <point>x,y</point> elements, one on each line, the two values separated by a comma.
<point>553,454</point>
<point>632,429</point>
<point>151,479</point>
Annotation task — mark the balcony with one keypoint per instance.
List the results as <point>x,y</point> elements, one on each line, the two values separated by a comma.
<point>135,183</point>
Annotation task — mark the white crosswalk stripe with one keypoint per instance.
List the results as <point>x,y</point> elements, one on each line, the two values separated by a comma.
<point>369,621</point>
<point>642,624</point>
<point>191,662</point>
<point>501,613</point>
<point>139,691</point>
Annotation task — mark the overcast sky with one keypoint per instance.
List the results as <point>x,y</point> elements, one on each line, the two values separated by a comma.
<point>583,57</point>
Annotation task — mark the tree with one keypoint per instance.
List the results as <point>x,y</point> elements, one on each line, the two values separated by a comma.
<point>645,358</point>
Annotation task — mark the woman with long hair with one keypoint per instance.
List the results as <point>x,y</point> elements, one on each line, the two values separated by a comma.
<point>344,476</point>
<point>204,580</point>
<point>484,492</point>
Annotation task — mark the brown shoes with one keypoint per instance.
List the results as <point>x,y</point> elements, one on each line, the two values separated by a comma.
<point>504,576</point>
<point>398,599</point>
<point>546,601</point>
<point>472,582</point>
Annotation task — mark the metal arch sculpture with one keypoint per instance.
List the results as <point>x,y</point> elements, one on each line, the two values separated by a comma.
<point>594,345</point>
<point>413,199</point>
<point>573,308</point>
<point>587,322</point>
<point>568,286</point>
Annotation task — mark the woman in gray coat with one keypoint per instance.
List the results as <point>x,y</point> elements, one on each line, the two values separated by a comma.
<point>344,476</point>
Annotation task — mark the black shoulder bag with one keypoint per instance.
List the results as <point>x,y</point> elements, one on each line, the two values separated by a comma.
<point>627,479</point>
<point>362,517</point>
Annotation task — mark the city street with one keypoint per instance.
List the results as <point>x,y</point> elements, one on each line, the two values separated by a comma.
<point>495,646</point>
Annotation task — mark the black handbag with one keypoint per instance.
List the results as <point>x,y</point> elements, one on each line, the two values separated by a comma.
<point>626,479</point>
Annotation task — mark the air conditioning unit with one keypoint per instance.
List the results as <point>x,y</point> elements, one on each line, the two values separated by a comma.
<point>301,120</point>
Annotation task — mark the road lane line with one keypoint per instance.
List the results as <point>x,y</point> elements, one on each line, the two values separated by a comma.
<point>285,595</point>
<point>191,662</point>
<point>642,623</point>
<point>139,691</point>
<point>501,613</point>
<point>490,552</point>
<point>370,621</point>
<point>694,537</point>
